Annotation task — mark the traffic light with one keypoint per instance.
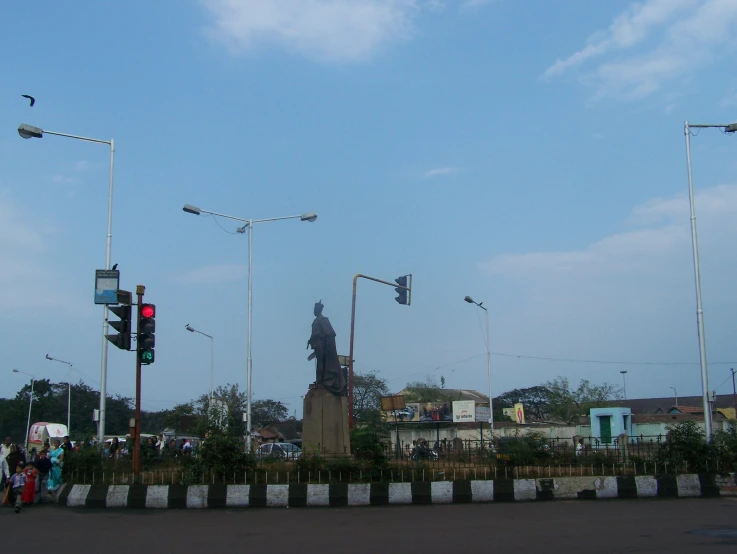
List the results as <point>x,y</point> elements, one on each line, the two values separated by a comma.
<point>403,293</point>
<point>123,339</point>
<point>146,333</point>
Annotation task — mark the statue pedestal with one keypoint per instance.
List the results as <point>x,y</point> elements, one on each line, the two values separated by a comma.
<point>325,423</point>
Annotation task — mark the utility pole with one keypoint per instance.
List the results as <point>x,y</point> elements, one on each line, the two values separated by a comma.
<point>140,290</point>
<point>734,390</point>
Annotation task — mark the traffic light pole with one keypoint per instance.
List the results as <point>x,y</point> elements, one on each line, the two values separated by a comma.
<point>353,328</point>
<point>140,290</point>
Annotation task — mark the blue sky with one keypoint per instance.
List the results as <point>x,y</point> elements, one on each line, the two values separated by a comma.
<point>529,154</point>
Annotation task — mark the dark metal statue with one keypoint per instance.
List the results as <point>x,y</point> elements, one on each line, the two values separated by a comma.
<point>330,374</point>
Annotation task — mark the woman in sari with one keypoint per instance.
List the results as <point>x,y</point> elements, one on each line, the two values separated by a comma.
<point>56,454</point>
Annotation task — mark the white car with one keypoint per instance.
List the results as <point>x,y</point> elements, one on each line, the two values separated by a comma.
<point>279,450</point>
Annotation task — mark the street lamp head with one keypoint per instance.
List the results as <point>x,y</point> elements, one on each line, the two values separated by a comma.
<point>469,300</point>
<point>731,128</point>
<point>623,371</point>
<point>309,216</point>
<point>49,357</point>
<point>242,230</point>
<point>15,371</point>
<point>190,209</point>
<point>29,131</point>
<point>189,328</point>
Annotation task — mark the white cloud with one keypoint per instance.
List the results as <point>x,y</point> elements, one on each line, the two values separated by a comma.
<point>627,296</point>
<point>213,274</point>
<point>652,43</point>
<point>83,165</point>
<point>331,30</point>
<point>64,180</point>
<point>663,235</point>
<point>441,171</point>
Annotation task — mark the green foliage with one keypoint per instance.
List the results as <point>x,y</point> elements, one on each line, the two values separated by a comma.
<point>523,449</point>
<point>426,391</point>
<point>368,441</point>
<point>50,402</point>
<point>685,448</point>
<point>724,444</point>
<point>567,404</point>
<point>368,388</point>
<point>536,400</point>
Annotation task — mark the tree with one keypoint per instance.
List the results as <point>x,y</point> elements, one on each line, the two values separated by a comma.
<point>535,399</point>
<point>266,412</point>
<point>566,404</point>
<point>368,388</point>
<point>425,391</point>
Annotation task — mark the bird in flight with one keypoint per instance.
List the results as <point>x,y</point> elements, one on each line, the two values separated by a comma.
<point>31,98</point>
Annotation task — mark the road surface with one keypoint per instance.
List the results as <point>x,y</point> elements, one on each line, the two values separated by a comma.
<point>671,526</point>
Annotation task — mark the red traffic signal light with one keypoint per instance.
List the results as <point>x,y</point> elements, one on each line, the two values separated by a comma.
<point>148,310</point>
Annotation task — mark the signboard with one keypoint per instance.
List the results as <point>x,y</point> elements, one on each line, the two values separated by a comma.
<point>107,282</point>
<point>392,403</point>
<point>483,413</point>
<point>516,414</point>
<point>464,411</point>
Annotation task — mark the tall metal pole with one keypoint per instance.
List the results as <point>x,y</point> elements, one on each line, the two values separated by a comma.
<point>69,409</point>
<point>734,390</point>
<point>140,290</point>
<point>488,371</point>
<point>212,368</point>
<point>676,394</point>
<point>30,404</point>
<point>350,353</point>
<point>697,278</point>
<point>249,363</point>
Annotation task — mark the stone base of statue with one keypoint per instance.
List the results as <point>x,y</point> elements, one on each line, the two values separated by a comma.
<point>325,423</point>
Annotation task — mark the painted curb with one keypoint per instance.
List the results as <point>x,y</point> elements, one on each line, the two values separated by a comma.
<point>383,494</point>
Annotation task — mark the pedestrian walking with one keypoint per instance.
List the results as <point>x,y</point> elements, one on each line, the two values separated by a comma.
<point>29,491</point>
<point>43,465</point>
<point>17,483</point>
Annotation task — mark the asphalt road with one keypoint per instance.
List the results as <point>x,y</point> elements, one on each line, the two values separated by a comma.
<point>672,526</point>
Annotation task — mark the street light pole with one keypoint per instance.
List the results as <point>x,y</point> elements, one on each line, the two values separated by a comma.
<point>69,396</point>
<point>488,362</point>
<point>624,382</point>
<point>191,329</point>
<point>29,131</point>
<point>249,223</point>
<point>676,394</point>
<point>30,403</point>
<point>728,128</point>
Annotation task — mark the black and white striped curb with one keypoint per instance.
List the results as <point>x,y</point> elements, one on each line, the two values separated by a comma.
<point>383,494</point>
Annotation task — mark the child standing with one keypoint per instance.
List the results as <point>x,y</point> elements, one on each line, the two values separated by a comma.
<point>29,491</point>
<point>17,482</point>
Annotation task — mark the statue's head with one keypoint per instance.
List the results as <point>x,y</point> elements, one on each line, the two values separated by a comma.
<point>318,308</point>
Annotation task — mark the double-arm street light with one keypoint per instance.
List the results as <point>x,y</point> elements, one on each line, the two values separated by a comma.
<point>30,403</point>
<point>191,329</point>
<point>249,223</point>
<point>488,362</point>
<point>727,128</point>
<point>29,131</point>
<point>69,396</point>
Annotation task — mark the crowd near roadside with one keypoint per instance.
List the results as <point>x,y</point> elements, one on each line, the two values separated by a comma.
<point>30,477</point>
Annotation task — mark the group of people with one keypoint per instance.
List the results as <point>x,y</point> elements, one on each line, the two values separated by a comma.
<point>27,479</point>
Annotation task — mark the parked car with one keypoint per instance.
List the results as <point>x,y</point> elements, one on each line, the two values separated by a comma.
<point>283,450</point>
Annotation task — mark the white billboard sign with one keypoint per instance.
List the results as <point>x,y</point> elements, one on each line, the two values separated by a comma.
<point>464,411</point>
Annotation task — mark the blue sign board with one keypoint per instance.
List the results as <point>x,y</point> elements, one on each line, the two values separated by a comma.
<point>107,282</point>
